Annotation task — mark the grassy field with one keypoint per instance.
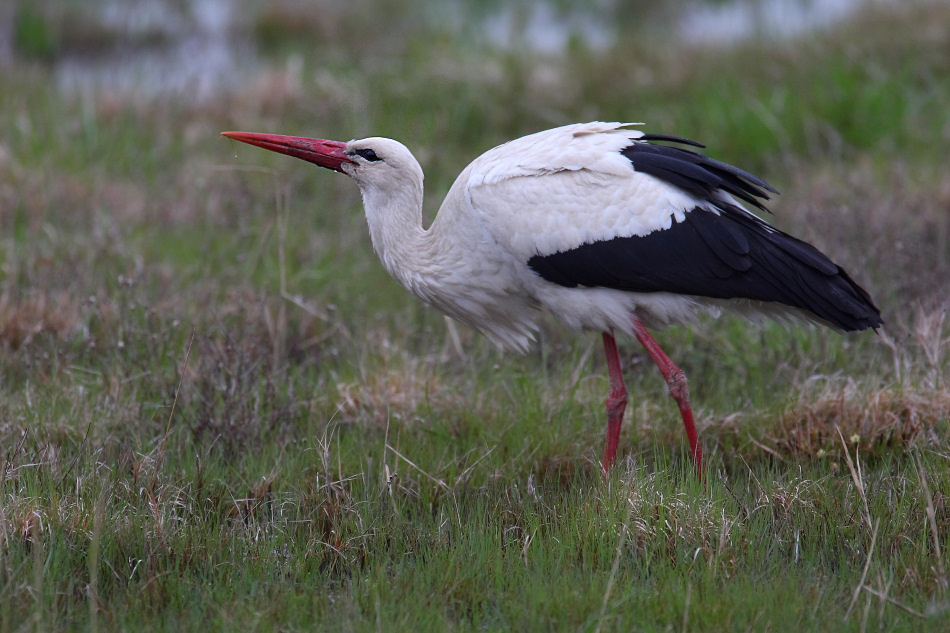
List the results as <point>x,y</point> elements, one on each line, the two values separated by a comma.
<point>217,412</point>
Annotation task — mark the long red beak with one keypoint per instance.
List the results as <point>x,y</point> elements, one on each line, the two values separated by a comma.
<point>327,154</point>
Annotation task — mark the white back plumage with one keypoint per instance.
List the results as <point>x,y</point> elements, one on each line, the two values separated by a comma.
<point>540,194</point>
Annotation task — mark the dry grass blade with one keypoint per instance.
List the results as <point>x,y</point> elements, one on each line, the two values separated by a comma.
<point>765,448</point>
<point>441,484</point>
<point>616,563</point>
<point>171,414</point>
<point>856,475</point>
<point>92,589</point>
<point>932,520</point>
<point>864,573</point>
<point>453,338</point>
<point>463,476</point>
<point>888,599</point>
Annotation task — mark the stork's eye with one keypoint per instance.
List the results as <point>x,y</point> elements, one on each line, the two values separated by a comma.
<point>368,154</point>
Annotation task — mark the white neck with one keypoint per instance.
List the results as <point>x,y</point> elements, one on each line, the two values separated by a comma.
<point>394,218</point>
<point>442,264</point>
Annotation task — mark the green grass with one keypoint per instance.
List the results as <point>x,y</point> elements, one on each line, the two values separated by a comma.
<point>218,412</point>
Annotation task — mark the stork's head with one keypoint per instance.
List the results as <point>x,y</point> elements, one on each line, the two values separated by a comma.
<point>374,163</point>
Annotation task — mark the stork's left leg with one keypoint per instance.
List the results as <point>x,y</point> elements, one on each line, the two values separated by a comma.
<point>616,401</point>
<point>679,390</point>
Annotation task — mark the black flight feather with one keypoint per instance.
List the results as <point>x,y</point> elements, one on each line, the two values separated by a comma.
<point>693,172</point>
<point>720,251</point>
<point>726,255</point>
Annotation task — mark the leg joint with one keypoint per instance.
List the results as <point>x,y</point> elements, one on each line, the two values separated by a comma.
<point>616,402</point>
<point>679,386</point>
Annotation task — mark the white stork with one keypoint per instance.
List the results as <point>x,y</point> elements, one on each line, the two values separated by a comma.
<point>604,226</point>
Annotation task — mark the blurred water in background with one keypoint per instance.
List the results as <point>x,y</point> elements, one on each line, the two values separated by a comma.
<point>199,48</point>
<point>199,57</point>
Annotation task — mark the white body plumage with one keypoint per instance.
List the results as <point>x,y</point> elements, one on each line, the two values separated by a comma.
<point>540,194</point>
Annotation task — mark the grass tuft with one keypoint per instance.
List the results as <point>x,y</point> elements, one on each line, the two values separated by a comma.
<point>879,420</point>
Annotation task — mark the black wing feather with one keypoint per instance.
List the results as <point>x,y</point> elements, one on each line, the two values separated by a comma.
<point>726,255</point>
<point>670,139</point>
<point>696,173</point>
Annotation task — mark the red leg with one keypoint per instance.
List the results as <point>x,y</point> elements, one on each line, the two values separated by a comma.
<point>679,390</point>
<point>616,401</point>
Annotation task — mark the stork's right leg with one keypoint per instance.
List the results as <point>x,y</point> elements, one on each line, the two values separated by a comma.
<point>676,381</point>
<point>616,401</point>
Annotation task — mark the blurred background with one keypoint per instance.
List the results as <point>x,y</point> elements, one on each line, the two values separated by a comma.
<point>201,48</point>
